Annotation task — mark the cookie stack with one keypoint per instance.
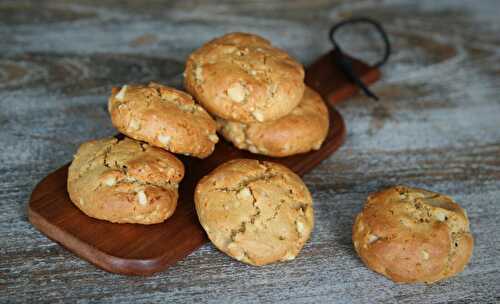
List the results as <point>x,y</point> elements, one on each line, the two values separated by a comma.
<point>257,212</point>
<point>135,179</point>
<point>257,94</point>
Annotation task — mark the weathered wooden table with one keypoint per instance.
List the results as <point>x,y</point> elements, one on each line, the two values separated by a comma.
<point>437,126</point>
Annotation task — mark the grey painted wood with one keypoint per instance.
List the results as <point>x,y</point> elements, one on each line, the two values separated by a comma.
<point>437,126</point>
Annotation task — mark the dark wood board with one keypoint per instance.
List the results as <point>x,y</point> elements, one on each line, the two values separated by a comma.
<point>145,249</point>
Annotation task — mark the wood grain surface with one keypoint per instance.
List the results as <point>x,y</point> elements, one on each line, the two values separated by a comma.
<point>436,126</point>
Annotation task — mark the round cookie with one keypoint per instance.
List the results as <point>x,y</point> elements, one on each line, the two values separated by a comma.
<point>242,77</point>
<point>413,235</point>
<point>304,129</point>
<point>124,181</point>
<point>256,212</point>
<point>164,117</point>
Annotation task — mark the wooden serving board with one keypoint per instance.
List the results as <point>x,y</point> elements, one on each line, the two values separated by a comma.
<point>145,249</point>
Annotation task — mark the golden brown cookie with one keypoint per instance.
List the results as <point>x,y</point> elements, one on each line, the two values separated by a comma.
<point>304,129</point>
<point>164,117</point>
<point>413,235</point>
<point>256,212</point>
<point>242,77</point>
<point>124,181</point>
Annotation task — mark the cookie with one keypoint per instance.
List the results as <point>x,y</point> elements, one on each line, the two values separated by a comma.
<point>304,129</point>
<point>242,77</point>
<point>413,235</point>
<point>256,212</point>
<point>124,181</point>
<point>164,117</point>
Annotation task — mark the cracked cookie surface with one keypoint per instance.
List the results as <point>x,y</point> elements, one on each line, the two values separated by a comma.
<point>124,181</point>
<point>302,130</point>
<point>242,77</point>
<point>256,212</point>
<point>413,235</point>
<point>164,117</point>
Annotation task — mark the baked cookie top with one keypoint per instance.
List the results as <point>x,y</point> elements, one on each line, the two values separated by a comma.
<point>164,117</point>
<point>124,181</point>
<point>413,235</point>
<point>242,77</point>
<point>304,129</point>
<point>256,212</point>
